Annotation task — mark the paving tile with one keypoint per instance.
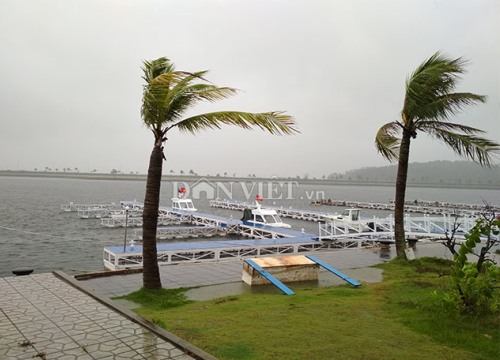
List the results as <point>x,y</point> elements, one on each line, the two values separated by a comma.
<point>74,357</point>
<point>63,323</point>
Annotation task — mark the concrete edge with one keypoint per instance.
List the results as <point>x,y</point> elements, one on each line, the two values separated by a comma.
<point>189,348</point>
<point>100,274</point>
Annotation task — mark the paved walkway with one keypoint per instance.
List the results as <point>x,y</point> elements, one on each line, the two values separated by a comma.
<point>44,317</point>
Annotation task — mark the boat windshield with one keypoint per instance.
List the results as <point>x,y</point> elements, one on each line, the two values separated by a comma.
<point>271,219</point>
<point>189,205</point>
<point>183,205</point>
<point>276,218</point>
<point>259,218</point>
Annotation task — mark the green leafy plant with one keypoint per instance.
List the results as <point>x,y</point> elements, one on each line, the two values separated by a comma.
<point>475,285</point>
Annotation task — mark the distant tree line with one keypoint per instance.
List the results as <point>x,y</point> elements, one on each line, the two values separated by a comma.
<point>434,172</point>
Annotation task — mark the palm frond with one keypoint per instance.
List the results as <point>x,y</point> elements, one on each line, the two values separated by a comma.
<point>475,148</point>
<point>386,141</point>
<point>154,68</point>
<point>432,126</point>
<point>429,89</point>
<point>182,98</point>
<point>447,105</point>
<point>273,122</point>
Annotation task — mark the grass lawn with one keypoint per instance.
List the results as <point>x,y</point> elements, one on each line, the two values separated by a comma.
<point>399,318</point>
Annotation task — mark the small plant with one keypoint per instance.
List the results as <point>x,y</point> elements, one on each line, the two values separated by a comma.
<point>450,241</point>
<point>474,285</point>
<point>159,322</point>
<point>26,343</point>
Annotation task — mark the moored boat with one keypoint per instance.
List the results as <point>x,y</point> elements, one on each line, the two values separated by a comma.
<point>263,216</point>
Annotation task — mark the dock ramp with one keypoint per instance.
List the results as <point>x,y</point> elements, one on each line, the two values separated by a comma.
<point>273,280</point>
<point>335,271</point>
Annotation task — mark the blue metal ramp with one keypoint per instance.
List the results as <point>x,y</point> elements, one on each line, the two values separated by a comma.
<point>286,290</point>
<point>335,271</point>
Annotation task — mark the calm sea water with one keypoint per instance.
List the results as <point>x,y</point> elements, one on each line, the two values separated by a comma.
<point>36,233</point>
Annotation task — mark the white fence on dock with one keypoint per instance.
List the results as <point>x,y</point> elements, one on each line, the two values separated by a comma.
<point>115,260</point>
<point>423,226</point>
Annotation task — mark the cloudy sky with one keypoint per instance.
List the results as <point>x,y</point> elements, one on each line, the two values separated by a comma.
<point>71,87</point>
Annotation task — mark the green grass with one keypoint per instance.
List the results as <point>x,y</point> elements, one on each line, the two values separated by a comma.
<point>158,300</point>
<point>399,318</point>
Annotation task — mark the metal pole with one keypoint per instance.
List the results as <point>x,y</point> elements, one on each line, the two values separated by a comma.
<point>126,223</point>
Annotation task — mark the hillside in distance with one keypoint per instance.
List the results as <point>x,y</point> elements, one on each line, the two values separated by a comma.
<point>458,173</point>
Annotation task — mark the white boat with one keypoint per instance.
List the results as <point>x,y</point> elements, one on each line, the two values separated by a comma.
<point>349,217</point>
<point>183,204</point>
<point>346,215</point>
<point>262,216</point>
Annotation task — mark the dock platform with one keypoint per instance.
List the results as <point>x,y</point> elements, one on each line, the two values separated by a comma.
<point>202,251</point>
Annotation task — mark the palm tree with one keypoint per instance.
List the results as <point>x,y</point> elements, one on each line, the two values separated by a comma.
<point>428,105</point>
<point>167,95</point>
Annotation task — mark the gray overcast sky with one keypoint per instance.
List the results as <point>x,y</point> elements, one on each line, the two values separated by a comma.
<point>71,87</point>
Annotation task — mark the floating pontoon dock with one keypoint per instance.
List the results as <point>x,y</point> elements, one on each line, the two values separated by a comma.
<point>73,207</point>
<point>269,241</point>
<point>423,207</point>
<point>133,221</point>
<point>174,253</point>
<point>181,232</point>
<point>310,215</point>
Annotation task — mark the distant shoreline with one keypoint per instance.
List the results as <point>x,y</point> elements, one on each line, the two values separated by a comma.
<point>194,178</point>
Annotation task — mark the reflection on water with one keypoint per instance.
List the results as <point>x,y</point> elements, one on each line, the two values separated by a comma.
<point>325,279</point>
<point>385,253</point>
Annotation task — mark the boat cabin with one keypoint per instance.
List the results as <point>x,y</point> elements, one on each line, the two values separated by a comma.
<point>183,204</point>
<point>346,215</point>
<point>263,217</point>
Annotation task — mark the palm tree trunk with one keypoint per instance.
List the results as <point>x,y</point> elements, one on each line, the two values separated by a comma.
<point>151,273</point>
<point>399,203</point>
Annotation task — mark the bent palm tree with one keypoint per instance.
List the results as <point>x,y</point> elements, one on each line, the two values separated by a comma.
<point>429,103</point>
<point>167,95</point>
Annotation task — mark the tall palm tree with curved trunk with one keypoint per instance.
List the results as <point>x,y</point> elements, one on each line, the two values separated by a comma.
<point>167,95</point>
<point>428,106</point>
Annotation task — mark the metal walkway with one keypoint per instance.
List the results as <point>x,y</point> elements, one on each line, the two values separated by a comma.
<point>182,252</point>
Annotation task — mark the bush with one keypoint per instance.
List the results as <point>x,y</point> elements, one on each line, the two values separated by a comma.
<point>474,286</point>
